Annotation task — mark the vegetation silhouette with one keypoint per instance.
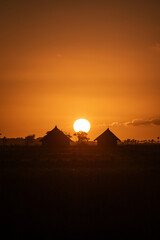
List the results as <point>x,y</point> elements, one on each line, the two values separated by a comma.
<point>30,139</point>
<point>82,137</point>
<point>4,141</point>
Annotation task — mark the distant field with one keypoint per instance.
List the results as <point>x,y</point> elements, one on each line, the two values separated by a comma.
<point>79,191</point>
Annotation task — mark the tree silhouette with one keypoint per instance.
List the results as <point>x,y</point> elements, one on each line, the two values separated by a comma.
<point>82,136</point>
<point>4,139</point>
<point>29,139</point>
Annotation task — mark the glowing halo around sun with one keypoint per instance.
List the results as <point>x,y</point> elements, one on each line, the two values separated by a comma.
<point>82,125</point>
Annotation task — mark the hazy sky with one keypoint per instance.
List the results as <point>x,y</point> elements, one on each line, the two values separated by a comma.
<point>64,60</point>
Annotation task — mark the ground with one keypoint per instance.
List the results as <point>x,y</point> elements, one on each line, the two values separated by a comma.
<point>80,191</point>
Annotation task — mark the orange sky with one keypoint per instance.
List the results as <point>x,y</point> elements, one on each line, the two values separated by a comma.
<point>63,60</point>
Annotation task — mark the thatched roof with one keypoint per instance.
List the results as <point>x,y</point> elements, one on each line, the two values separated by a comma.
<point>107,135</point>
<point>56,135</point>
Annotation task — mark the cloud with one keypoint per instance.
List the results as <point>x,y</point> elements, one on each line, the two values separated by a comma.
<point>138,122</point>
<point>156,121</point>
<point>116,124</point>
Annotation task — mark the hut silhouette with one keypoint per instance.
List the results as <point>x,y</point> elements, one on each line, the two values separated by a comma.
<point>55,138</point>
<point>107,139</point>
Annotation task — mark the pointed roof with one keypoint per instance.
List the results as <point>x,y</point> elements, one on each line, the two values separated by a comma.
<point>107,134</point>
<point>56,133</point>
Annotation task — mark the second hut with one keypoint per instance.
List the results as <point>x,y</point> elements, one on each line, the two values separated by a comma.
<point>107,139</point>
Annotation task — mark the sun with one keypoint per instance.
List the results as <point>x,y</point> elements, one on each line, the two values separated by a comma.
<point>82,125</point>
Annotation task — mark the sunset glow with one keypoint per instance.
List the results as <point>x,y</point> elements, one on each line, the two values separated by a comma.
<point>81,125</point>
<point>61,60</point>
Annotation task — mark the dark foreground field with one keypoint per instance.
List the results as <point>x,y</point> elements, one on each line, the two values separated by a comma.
<point>80,192</point>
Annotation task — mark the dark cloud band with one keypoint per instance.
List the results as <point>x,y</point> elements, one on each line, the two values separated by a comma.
<point>138,122</point>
